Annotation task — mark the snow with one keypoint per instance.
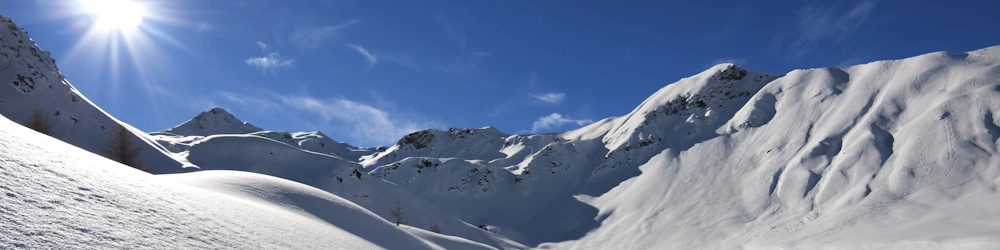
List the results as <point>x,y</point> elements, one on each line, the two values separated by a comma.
<point>329,173</point>
<point>446,241</point>
<point>898,154</point>
<point>887,154</point>
<point>60,196</point>
<point>731,158</point>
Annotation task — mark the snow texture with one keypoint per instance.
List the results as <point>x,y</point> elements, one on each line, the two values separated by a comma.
<point>58,196</point>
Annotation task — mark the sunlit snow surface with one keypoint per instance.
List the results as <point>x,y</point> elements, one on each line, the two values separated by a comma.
<point>59,196</point>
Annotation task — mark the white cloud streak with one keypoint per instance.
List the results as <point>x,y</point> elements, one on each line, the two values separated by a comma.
<point>372,60</point>
<point>817,24</point>
<point>555,121</point>
<point>309,37</point>
<point>737,61</point>
<point>366,124</point>
<point>270,63</point>
<point>551,97</point>
<point>362,124</point>
<point>404,60</point>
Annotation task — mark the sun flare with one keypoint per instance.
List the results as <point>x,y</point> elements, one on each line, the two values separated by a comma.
<point>123,15</point>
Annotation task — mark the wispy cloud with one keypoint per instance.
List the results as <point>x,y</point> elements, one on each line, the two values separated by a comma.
<point>270,62</point>
<point>825,23</point>
<point>362,124</point>
<point>310,37</point>
<point>401,59</point>
<point>249,101</point>
<point>555,121</point>
<point>819,23</point>
<point>463,65</point>
<point>550,97</point>
<point>737,61</point>
<point>453,30</point>
<point>530,93</point>
<point>372,60</point>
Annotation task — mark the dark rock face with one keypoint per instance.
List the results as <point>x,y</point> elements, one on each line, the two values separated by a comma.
<point>732,73</point>
<point>418,140</point>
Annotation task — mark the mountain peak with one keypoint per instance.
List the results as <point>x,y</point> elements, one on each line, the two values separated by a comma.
<point>731,72</point>
<point>214,121</point>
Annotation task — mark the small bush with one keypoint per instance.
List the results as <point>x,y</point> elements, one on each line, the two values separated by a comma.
<point>38,123</point>
<point>121,147</point>
<point>435,228</point>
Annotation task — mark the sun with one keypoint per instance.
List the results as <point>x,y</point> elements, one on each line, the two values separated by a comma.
<point>123,15</point>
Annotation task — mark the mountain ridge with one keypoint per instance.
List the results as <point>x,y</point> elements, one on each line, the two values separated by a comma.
<point>723,109</point>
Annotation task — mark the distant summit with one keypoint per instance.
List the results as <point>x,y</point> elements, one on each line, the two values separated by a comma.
<point>213,122</point>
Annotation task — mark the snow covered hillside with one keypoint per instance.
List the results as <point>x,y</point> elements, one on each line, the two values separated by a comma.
<point>892,153</point>
<point>726,158</point>
<point>37,88</point>
<point>59,196</point>
<point>312,159</point>
<point>897,153</point>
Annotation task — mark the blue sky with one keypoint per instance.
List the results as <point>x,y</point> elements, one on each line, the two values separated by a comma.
<point>368,72</point>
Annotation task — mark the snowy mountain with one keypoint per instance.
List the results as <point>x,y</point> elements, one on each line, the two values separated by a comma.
<point>218,121</point>
<point>213,122</point>
<point>734,158</point>
<point>38,89</point>
<point>880,154</point>
<point>65,197</point>
<point>890,154</point>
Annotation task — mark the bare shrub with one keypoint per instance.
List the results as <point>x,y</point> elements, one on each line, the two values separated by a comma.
<point>121,147</point>
<point>398,213</point>
<point>38,123</point>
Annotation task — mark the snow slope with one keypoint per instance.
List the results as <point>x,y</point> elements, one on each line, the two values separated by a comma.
<point>892,153</point>
<point>59,196</point>
<point>887,154</point>
<point>332,174</point>
<point>34,83</point>
<point>524,186</point>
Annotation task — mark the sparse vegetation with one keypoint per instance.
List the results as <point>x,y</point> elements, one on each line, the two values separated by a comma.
<point>435,228</point>
<point>121,147</point>
<point>398,213</point>
<point>38,123</point>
